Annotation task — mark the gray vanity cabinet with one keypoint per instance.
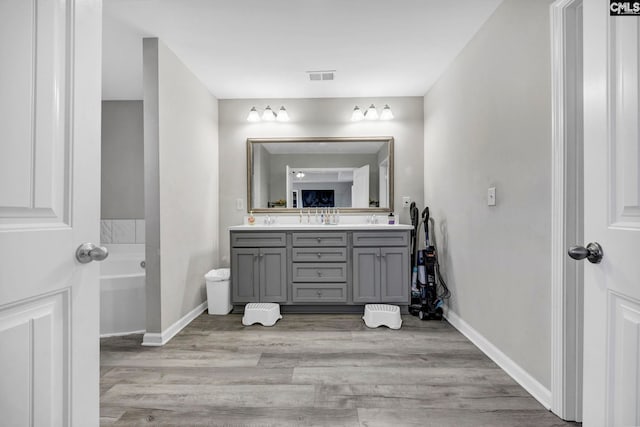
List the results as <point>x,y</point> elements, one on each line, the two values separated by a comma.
<point>245,280</point>
<point>320,267</point>
<point>259,266</point>
<point>381,267</point>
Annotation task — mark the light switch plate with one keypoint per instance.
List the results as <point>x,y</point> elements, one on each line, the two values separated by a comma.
<point>406,201</point>
<point>491,196</point>
<point>239,204</point>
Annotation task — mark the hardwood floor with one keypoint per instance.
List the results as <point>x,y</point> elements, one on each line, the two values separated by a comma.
<point>310,370</point>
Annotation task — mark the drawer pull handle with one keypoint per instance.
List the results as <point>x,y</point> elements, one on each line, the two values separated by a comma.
<point>319,239</point>
<point>319,255</point>
<point>319,273</point>
<point>319,293</point>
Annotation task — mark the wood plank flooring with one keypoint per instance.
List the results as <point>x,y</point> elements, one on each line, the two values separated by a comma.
<point>310,370</point>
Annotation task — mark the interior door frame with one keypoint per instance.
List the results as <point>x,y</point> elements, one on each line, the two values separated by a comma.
<point>566,290</point>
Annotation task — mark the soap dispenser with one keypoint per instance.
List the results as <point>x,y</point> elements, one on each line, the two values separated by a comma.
<point>251,219</point>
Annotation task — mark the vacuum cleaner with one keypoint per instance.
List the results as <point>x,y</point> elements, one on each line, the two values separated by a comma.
<point>428,288</point>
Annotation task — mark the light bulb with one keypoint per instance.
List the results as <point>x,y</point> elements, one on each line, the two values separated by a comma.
<point>253,115</point>
<point>357,115</point>
<point>268,115</point>
<point>300,175</point>
<point>386,113</point>
<point>372,113</point>
<point>283,116</point>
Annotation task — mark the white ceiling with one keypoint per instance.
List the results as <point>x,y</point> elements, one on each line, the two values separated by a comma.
<point>262,49</point>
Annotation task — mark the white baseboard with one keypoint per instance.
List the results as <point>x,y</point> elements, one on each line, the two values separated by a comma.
<point>522,377</point>
<point>155,339</point>
<point>121,334</point>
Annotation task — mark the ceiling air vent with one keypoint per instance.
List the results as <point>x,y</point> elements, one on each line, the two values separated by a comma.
<point>316,76</point>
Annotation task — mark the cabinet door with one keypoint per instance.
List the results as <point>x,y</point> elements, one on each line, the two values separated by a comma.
<point>273,274</point>
<point>366,275</point>
<point>394,274</point>
<point>245,278</point>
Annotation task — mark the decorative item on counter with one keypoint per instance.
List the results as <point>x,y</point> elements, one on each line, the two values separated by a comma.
<point>392,219</point>
<point>251,220</point>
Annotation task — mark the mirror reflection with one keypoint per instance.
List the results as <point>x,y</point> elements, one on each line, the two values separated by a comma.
<point>346,173</point>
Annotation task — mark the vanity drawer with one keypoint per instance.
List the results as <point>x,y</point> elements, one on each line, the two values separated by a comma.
<point>315,240</point>
<point>316,272</point>
<point>319,254</point>
<point>329,292</point>
<point>380,238</point>
<point>257,239</point>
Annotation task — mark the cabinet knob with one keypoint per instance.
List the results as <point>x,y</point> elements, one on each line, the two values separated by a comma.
<point>319,273</point>
<point>319,239</point>
<point>319,255</point>
<point>319,293</point>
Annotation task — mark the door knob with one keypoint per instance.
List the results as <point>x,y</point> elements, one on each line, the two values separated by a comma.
<point>593,252</point>
<point>88,252</point>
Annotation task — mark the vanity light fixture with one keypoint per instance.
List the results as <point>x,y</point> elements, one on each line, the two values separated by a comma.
<point>253,115</point>
<point>283,116</point>
<point>357,115</point>
<point>372,113</point>
<point>386,113</point>
<point>268,115</point>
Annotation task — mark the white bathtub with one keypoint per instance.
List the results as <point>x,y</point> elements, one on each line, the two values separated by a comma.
<point>122,291</point>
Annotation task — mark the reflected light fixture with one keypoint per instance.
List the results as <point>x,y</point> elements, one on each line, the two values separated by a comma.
<point>300,175</point>
<point>357,115</point>
<point>253,115</point>
<point>283,116</point>
<point>386,113</point>
<point>268,115</point>
<point>372,113</point>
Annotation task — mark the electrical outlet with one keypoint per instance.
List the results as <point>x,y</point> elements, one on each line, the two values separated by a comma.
<point>239,204</point>
<point>491,196</point>
<point>406,201</point>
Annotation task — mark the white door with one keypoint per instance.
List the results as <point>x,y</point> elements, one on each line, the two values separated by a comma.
<point>288,187</point>
<point>383,185</point>
<point>360,188</point>
<point>612,217</point>
<point>49,204</point>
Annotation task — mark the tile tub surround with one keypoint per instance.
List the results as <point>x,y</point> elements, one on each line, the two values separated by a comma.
<point>119,231</point>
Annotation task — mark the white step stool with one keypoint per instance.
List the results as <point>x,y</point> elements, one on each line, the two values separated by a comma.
<point>382,314</point>
<point>265,313</point>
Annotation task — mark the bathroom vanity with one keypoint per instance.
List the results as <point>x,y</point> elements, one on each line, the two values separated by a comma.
<point>320,268</point>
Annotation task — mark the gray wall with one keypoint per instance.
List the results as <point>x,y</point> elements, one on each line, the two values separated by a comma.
<point>317,117</point>
<point>122,189</point>
<point>488,123</point>
<point>181,158</point>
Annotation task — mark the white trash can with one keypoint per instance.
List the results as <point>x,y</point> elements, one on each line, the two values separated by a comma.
<point>218,291</point>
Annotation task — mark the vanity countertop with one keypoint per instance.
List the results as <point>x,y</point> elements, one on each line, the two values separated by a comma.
<point>311,227</point>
